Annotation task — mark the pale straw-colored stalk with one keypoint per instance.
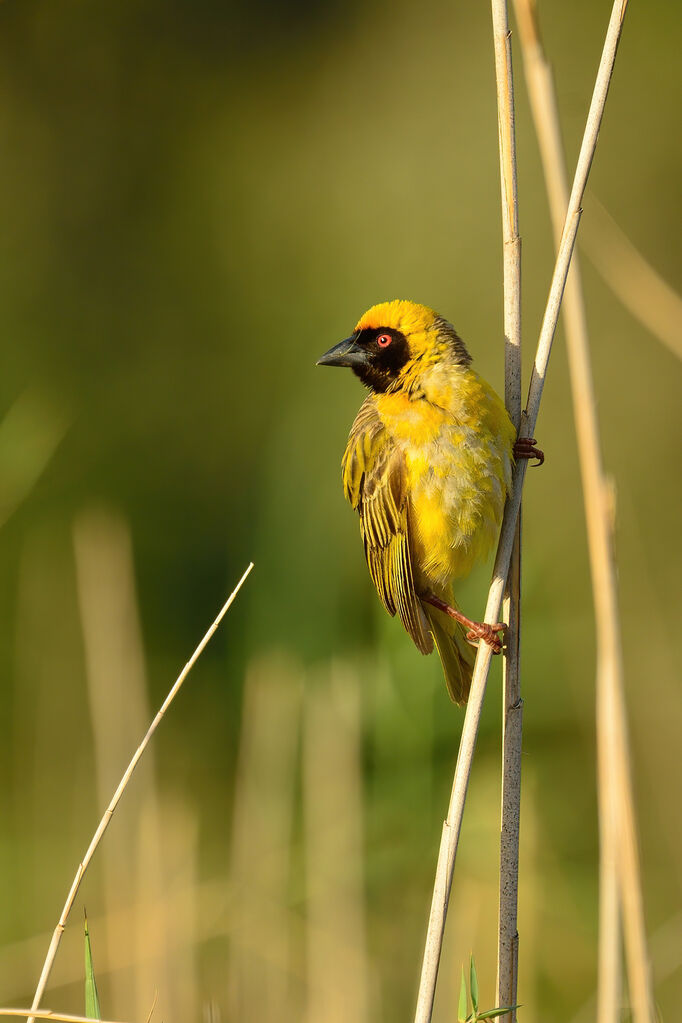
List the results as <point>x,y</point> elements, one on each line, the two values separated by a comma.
<point>453,822</point>
<point>48,1014</point>
<point>619,873</point>
<point>512,704</point>
<point>109,812</point>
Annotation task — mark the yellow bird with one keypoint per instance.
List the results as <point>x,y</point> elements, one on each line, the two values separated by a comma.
<point>428,467</point>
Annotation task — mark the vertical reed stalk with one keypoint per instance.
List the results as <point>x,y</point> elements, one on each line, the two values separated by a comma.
<point>109,812</point>
<point>619,872</point>
<point>512,704</point>
<point>453,822</point>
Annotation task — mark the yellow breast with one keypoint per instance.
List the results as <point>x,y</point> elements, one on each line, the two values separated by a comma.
<point>457,442</point>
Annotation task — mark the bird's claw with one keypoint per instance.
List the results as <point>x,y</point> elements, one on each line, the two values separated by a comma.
<point>475,630</point>
<point>488,633</point>
<point>525,447</point>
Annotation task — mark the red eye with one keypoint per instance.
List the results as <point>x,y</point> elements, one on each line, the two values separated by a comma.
<point>384,340</point>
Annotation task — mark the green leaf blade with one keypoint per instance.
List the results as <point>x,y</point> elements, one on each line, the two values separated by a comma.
<point>462,1008</point>
<point>92,1008</point>
<point>492,1013</point>
<point>473,985</point>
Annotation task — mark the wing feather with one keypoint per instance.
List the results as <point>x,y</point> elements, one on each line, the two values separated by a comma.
<point>374,480</point>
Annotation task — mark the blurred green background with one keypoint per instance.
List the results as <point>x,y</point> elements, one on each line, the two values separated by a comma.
<point>197,201</point>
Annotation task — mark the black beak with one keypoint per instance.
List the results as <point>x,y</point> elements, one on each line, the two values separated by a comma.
<point>346,353</point>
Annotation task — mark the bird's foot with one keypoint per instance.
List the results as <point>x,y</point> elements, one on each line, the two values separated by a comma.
<point>475,630</point>
<point>525,447</point>
<point>488,633</point>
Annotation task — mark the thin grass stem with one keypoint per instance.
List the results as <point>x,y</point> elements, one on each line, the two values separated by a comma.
<point>452,825</point>
<point>620,880</point>
<point>109,812</point>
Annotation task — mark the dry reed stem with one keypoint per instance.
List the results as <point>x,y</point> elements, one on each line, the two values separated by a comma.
<point>512,705</point>
<point>619,860</point>
<point>609,979</point>
<point>510,810</point>
<point>543,105</point>
<point>453,822</point>
<point>632,279</point>
<point>109,812</point>
<point>48,1014</point>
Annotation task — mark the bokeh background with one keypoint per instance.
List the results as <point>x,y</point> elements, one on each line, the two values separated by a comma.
<point>197,200</point>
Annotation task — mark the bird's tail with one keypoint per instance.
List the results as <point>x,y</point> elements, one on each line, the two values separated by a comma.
<point>456,654</point>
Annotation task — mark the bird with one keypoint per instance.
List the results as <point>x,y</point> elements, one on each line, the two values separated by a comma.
<point>427,467</point>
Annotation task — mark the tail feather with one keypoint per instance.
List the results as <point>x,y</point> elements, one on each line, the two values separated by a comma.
<point>456,654</point>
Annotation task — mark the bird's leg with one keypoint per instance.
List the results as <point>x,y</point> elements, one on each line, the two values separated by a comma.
<point>476,630</point>
<point>525,447</point>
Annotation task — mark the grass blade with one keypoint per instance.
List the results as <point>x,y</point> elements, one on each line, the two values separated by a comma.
<point>92,1008</point>
<point>492,1013</point>
<point>473,985</point>
<point>462,1008</point>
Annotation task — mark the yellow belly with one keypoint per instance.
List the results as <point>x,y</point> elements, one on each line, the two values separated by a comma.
<point>457,503</point>
<point>458,455</point>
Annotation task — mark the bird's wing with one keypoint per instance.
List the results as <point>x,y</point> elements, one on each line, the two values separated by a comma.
<point>375,484</point>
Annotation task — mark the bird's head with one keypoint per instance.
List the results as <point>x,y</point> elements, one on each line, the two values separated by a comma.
<point>394,343</point>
